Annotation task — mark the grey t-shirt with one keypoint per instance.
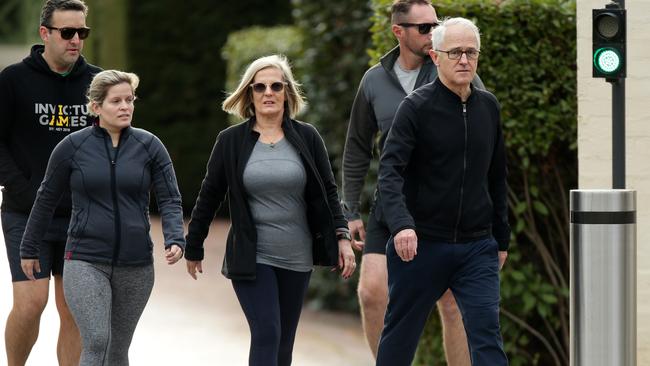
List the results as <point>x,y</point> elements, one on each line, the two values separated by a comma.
<point>275,180</point>
<point>406,77</point>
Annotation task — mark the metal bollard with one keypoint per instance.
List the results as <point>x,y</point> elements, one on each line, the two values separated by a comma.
<point>603,277</point>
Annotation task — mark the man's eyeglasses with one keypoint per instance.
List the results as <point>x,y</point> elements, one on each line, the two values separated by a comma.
<point>277,87</point>
<point>423,28</point>
<point>68,33</point>
<point>457,53</point>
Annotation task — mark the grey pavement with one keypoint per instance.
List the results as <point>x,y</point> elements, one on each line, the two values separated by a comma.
<point>189,322</point>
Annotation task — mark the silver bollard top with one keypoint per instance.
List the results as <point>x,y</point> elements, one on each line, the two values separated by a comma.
<point>603,200</point>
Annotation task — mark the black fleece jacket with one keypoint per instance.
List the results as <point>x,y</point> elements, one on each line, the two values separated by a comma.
<point>224,178</point>
<point>443,168</point>
<point>38,108</point>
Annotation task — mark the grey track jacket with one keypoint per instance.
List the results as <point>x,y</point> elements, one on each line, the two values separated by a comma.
<point>110,197</point>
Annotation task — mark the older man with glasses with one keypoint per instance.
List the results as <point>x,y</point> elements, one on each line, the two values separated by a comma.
<point>42,100</point>
<point>442,181</point>
<point>399,72</point>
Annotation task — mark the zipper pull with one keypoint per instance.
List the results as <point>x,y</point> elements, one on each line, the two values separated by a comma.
<point>464,107</point>
<point>112,162</point>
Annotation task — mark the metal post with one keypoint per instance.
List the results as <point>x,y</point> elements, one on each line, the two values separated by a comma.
<point>618,134</point>
<point>618,126</point>
<point>603,278</point>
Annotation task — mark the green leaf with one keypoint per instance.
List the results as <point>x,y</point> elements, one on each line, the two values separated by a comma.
<point>540,208</point>
<point>529,301</point>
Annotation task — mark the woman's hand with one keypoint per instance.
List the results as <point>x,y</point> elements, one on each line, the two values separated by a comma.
<point>173,254</point>
<point>30,266</point>
<point>193,267</point>
<point>347,261</point>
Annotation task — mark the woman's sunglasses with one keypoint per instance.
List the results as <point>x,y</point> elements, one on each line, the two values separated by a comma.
<point>277,87</point>
<point>68,33</point>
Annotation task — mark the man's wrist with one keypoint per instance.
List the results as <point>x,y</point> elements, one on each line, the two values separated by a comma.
<point>343,235</point>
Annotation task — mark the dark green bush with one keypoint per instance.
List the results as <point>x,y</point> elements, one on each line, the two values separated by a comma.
<point>528,60</point>
<point>335,40</point>
<point>246,45</point>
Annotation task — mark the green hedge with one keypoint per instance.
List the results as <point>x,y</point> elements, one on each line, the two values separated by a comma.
<point>246,45</point>
<point>528,60</point>
<point>335,40</point>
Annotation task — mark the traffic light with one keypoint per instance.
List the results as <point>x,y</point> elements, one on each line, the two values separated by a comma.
<point>609,42</point>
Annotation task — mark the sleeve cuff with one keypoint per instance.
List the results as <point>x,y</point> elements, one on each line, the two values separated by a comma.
<point>194,253</point>
<point>504,244</point>
<point>400,228</point>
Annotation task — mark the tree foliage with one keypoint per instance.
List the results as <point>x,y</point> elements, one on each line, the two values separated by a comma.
<point>528,60</point>
<point>335,39</point>
<point>246,45</point>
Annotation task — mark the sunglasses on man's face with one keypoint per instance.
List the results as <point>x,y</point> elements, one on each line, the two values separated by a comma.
<point>68,33</point>
<point>423,28</point>
<point>277,87</point>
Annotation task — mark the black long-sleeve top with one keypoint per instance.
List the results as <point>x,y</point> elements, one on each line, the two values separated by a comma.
<point>443,167</point>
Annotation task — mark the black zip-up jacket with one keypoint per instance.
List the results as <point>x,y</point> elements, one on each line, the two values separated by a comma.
<point>38,108</point>
<point>443,168</point>
<point>373,109</point>
<point>110,197</point>
<point>224,177</point>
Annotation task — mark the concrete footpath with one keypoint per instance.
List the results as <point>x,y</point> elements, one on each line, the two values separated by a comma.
<point>189,322</point>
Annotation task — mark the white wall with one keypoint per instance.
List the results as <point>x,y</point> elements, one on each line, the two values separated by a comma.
<point>595,136</point>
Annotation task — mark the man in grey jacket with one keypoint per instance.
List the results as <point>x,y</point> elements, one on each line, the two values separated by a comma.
<point>400,71</point>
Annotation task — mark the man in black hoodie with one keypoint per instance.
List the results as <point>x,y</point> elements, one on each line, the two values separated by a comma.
<point>442,182</point>
<point>42,100</point>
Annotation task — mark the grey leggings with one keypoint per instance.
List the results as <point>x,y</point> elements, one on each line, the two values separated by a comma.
<point>106,303</point>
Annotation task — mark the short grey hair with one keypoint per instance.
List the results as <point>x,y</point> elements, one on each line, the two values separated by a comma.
<point>240,101</point>
<point>438,34</point>
<point>105,80</point>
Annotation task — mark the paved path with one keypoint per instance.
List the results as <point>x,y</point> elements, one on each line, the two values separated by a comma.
<point>200,322</point>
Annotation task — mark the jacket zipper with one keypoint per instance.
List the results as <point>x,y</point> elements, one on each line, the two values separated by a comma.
<point>462,181</point>
<point>116,208</point>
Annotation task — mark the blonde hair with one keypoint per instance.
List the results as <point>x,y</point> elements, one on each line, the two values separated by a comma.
<point>240,101</point>
<point>105,80</point>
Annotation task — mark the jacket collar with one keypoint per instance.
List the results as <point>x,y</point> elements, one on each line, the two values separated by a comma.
<point>427,70</point>
<point>100,131</point>
<point>451,95</point>
<point>287,125</point>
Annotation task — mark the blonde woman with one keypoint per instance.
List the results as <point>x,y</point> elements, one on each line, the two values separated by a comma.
<point>110,168</point>
<point>284,208</point>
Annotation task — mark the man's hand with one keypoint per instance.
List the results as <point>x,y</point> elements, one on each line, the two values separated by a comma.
<point>406,244</point>
<point>30,266</point>
<point>503,254</point>
<point>357,230</point>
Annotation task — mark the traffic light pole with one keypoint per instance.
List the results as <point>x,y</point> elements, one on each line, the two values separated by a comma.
<point>603,256</point>
<point>618,127</point>
<point>618,134</point>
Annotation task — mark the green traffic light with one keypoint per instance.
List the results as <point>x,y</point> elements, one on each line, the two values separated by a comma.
<point>607,60</point>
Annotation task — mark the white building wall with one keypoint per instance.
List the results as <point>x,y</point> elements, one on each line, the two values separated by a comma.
<point>595,136</point>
